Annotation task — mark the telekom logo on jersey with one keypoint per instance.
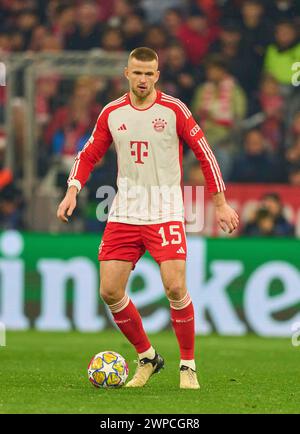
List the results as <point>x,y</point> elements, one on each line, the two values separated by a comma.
<point>139,149</point>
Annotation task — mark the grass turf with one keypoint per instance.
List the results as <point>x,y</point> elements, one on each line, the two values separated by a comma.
<point>46,373</point>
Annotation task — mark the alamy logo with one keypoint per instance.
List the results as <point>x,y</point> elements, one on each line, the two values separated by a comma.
<point>296,334</point>
<point>2,74</point>
<point>2,335</point>
<point>296,75</point>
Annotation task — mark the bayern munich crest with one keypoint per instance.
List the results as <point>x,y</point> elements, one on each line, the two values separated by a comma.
<point>159,124</point>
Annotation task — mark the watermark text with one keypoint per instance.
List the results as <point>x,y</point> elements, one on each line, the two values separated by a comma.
<point>296,334</point>
<point>2,335</point>
<point>296,75</point>
<point>153,203</point>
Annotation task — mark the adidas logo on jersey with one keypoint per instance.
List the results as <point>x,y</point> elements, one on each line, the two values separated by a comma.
<point>122,127</point>
<point>181,250</point>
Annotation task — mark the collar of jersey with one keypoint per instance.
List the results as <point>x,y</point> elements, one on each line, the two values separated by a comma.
<point>158,95</point>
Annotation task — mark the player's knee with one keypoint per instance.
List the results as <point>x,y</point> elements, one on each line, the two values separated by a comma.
<point>110,295</point>
<point>175,290</point>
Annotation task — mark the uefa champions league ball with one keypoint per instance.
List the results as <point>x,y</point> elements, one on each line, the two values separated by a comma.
<point>108,369</point>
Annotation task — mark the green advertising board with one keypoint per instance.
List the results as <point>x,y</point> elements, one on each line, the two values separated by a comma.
<point>50,282</point>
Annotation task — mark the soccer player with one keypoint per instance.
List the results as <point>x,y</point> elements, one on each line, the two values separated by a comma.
<point>148,128</point>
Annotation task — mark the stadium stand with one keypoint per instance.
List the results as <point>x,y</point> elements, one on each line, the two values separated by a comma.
<point>233,62</point>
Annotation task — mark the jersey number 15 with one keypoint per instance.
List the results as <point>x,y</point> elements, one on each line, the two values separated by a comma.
<point>174,231</point>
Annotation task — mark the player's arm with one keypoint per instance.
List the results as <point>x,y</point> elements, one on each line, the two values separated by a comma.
<point>191,133</point>
<point>85,161</point>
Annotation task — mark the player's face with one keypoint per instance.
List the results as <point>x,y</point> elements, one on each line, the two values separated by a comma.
<point>142,77</point>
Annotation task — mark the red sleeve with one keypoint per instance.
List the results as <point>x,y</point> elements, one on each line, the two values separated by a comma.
<point>93,151</point>
<point>190,132</point>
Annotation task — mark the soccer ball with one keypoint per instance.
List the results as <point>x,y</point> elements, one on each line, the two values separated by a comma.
<point>108,369</point>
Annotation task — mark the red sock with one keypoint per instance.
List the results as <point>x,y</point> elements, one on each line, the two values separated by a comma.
<point>129,322</point>
<point>182,317</point>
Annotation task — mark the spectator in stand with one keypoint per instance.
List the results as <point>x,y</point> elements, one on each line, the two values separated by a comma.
<point>10,10</point>
<point>51,44</point>
<point>26,22</point>
<point>243,64</point>
<point>122,9</point>
<point>112,40</point>
<point>87,33</point>
<point>255,163</point>
<point>257,31</point>
<point>294,176</point>
<point>72,124</point>
<point>47,88</point>
<point>292,107</point>
<point>156,38</point>
<point>196,36</point>
<point>177,76</point>
<point>211,10</point>
<point>133,30</point>
<point>270,219</point>
<point>155,9</point>
<point>16,40</point>
<point>292,154</point>
<point>37,38</point>
<point>64,23</point>
<point>293,132</point>
<point>231,11</point>
<point>292,160</point>
<point>172,22</point>
<point>272,105</point>
<point>281,55</point>
<point>43,40</point>
<point>11,204</point>
<point>272,202</point>
<point>219,104</point>
<point>6,176</point>
<point>11,208</point>
<point>5,43</point>
<point>262,224</point>
<point>283,10</point>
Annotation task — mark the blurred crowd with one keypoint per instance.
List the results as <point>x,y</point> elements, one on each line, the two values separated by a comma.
<point>236,63</point>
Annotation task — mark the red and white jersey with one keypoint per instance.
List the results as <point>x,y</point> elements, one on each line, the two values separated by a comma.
<point>149,145</point>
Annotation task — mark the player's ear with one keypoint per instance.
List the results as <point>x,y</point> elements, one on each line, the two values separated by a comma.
<point>126,72</point>
<point>157,76</point>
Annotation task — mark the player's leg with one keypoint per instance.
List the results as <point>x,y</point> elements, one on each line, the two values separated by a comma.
<point>113,279</point>
<point>181,306</point>
<point>122,242</point>
<point>167,244</point>
<point>182,317</point>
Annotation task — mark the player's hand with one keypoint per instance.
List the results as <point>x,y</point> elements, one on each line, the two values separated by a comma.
<point>227,218</point>
<point>67,205</point>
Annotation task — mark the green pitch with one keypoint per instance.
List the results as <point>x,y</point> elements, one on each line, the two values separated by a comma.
<point>47,373</point>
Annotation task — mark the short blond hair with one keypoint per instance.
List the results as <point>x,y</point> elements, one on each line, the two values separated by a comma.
<point>144,54</point>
